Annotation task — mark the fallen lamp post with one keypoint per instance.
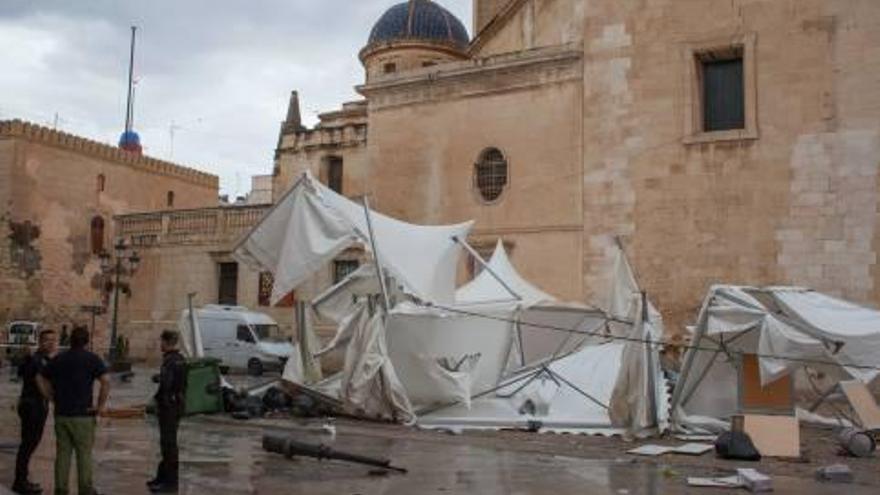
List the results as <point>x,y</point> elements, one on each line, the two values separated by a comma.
<point>290,448</point>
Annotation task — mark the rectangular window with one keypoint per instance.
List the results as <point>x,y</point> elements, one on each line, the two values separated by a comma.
<point>723,95</point>
<point>344,268</point>
<point>335,174</point>
<point>390,68</point>
<point>227,292</point>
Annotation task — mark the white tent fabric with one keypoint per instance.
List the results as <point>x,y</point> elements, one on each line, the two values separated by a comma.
<point>370,384</point>
<point>571,398</point>
<point>486,288</point>
<point>312,224</point>
<point>783,326</point>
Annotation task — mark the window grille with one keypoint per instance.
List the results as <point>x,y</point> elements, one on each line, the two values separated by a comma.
<point>344,268</point>
<point>491,174</point>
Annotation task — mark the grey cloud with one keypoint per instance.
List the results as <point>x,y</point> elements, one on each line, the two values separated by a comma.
<point>221,70</point>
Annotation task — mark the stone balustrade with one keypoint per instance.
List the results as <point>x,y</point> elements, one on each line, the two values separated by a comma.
<point>221,225</point>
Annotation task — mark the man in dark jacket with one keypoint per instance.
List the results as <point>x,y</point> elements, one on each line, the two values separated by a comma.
<point>32,410</point>
<point>170,407</point>
<point>69,381</point>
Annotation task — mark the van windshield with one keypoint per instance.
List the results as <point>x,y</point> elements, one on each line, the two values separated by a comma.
<point>21,329</point>
<point>269,333</point>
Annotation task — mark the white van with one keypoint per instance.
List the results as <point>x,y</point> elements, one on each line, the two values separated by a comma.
<point>242,339</point>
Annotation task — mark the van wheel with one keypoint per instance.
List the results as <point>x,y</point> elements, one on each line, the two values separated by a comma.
<point>255,367</point>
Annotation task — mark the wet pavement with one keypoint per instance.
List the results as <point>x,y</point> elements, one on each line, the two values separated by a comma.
<point>221,456</point>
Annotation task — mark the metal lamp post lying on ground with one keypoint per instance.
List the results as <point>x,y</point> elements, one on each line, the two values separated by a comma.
<point>115,265</point>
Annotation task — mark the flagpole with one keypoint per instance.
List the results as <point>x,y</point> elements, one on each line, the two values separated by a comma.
<point>128,105</point>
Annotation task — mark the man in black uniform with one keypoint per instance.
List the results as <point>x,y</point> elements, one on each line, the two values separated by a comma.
<point>170,407</point>
<point>32,409</point>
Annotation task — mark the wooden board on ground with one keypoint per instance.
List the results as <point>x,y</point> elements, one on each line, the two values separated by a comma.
<point>774,436</point>
<point>863,403</point>
<point>776,397</point>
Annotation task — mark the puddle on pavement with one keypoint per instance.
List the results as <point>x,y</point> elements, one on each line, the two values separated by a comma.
<point>220,459</point>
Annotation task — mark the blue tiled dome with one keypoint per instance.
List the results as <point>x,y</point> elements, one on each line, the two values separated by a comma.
<point>420,20</point>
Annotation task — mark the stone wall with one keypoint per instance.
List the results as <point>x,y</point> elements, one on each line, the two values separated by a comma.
<point>50,195</point>
<point>528,24</point>
<point>427,131</point>
<point>796,204</point>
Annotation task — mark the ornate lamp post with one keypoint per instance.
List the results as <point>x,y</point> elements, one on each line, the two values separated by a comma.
<point>115,265</point>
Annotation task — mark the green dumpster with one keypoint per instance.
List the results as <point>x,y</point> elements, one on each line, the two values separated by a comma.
<point>203,391</point>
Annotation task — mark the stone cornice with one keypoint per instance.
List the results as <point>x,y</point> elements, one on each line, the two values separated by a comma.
<point>77,144</point>
<point>441,46</point>
<point>530,68</point>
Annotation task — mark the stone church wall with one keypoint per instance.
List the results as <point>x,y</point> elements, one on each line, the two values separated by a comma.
<point>794,204</point>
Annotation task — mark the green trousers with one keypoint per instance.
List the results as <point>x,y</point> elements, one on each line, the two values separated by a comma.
<point>74,434</point>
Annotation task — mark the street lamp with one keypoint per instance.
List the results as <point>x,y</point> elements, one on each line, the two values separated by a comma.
<point>115,265</point>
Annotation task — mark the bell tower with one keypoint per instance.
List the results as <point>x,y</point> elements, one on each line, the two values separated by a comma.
<point>485,11</point>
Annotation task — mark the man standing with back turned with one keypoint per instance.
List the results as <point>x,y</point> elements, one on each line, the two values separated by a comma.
<point>32,410</point>
<point>68,380</point>
<point>170,408</point>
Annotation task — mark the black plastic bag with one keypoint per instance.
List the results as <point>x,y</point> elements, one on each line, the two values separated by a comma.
<point>736,445</point>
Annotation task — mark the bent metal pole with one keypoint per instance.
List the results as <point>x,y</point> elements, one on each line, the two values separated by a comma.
<point>473,252</point>
<point>379,271</point>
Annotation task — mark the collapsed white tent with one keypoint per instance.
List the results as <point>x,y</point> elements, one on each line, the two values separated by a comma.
<point>486,288</point>
<point>786,328</point>
<point>433,347</point>
<point>312,224</point>
<point>572,368</point>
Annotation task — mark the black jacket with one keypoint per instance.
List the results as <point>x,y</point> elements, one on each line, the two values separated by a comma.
<point>171,395</point>
<point>28,371</point>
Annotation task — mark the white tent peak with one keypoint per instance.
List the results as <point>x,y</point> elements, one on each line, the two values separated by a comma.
<point>486,288</point>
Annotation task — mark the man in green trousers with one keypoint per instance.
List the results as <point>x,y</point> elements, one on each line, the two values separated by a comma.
<point>68,381</point>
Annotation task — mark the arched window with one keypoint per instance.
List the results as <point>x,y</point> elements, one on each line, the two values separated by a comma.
<point>490,174</point>
<point>97,235</point>
<point>102,182</point>
<point>169,199</point>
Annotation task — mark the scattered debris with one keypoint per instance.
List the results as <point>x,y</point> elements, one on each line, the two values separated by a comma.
<point>736,445</point>
<point>856,443</point>
<point>838,473</point>
<point>728,482</point>
<point>136,412</point>
<point>291,448</point>
<point>863,404</point>
<point>754,481</point>
<point>774,436</point>
<point>686,449</point>
<point>696,438</point>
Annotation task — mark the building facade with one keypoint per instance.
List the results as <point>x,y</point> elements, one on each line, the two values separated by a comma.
<point>724,141</point>
<point>59,194</point>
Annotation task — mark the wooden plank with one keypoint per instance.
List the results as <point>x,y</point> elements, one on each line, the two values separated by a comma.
<point>776,397</point>
<point>863,403</point>
<point>774,436</point>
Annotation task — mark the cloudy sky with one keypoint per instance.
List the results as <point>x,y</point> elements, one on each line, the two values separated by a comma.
<point>219,71</point>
